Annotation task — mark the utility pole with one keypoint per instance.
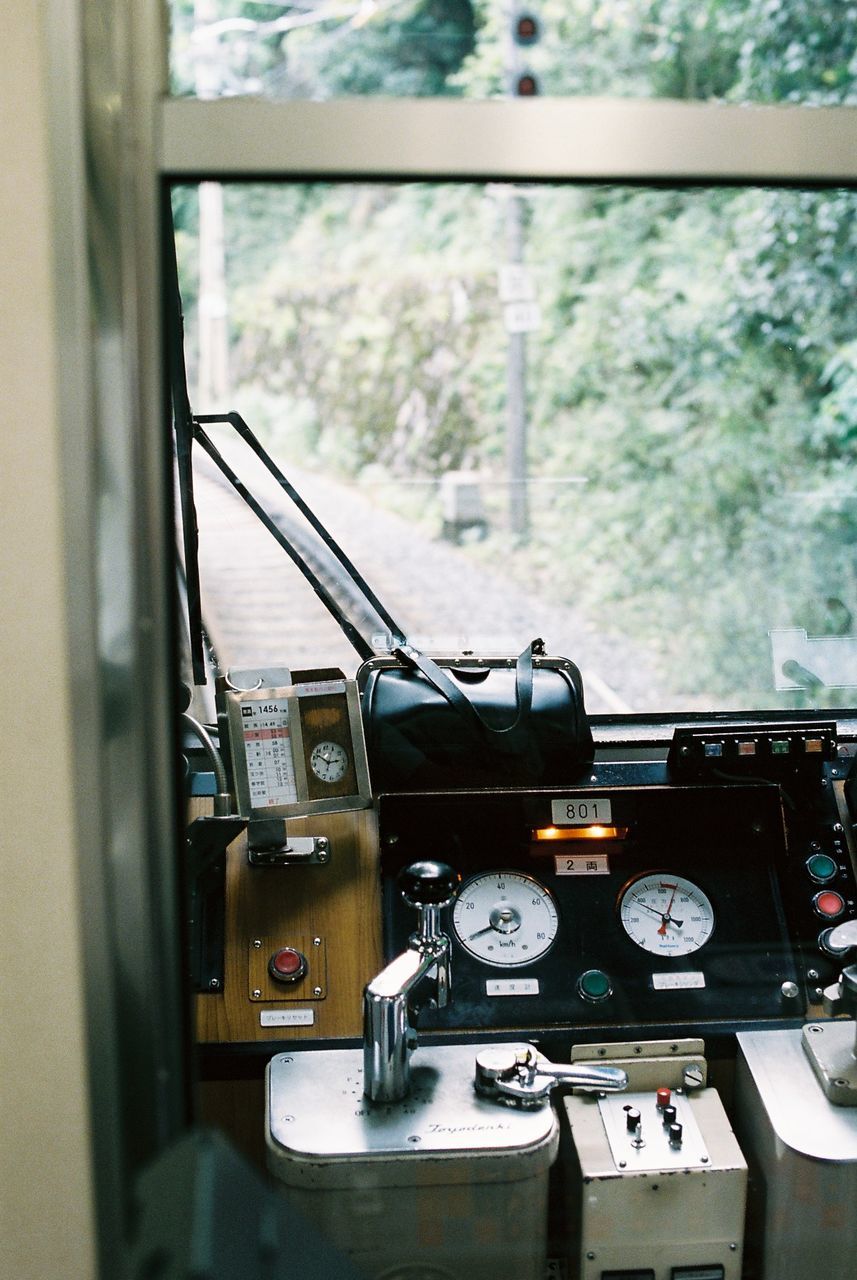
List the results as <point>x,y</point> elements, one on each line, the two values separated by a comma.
<point>213,389</point>
<point>516,386</point>
<point>516,291</point>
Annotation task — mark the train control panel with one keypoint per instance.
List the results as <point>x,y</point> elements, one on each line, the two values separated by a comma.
<point>555,998</point>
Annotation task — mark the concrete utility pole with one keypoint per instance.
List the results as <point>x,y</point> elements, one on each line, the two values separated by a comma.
<point>213,386</point>
<point>516,387</point>
<point>516,357</point>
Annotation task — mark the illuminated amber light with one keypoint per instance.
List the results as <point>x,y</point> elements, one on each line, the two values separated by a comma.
<point>595,832</point>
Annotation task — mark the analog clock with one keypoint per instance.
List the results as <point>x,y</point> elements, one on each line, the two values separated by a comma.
<point>328,761</point>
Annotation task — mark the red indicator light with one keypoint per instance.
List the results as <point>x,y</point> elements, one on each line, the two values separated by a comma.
<point>829,904</point>
<point>527,86</point>
<point>287,964</point>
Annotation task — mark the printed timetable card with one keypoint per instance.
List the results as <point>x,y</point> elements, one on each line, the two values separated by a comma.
<point>268,752</point>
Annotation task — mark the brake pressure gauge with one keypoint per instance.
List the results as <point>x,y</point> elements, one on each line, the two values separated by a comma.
<point>666,914</point>
<point>505,918</point>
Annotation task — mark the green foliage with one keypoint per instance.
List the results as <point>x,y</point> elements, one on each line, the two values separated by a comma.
<point>397,363</point>
<point>410,51</point>
<point>799,51</point>
<point>741,50</point>
<point>409,48</point>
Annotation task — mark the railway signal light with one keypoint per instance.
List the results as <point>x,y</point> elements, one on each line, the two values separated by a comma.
<point>526,29</point>
<point>526,85</point>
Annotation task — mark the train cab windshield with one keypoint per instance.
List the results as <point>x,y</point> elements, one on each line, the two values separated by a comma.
<point>616,417</point>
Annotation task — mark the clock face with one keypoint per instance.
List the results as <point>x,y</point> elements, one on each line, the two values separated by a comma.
<point>328,761</point>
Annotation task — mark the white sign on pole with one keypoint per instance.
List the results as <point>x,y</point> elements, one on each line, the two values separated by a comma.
<point>516,283</point>
<point>522,317</point>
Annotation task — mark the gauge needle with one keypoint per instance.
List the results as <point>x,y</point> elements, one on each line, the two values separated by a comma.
<point>665,919</point>
<point>666,916</point>
<point>479,932</point>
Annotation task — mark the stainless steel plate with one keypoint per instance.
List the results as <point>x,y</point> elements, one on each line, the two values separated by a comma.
<point>316,1108</point>
<point>798,1111</point>
<point>650,1150</point>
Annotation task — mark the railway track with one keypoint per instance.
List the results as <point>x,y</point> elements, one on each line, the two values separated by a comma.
<point>259,611</point>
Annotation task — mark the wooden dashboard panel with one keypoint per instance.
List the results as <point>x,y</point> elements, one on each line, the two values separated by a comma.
<point>331,913</point>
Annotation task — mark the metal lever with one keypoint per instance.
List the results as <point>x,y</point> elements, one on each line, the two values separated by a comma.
<point>517,1075</point>
<point>391,1000</point>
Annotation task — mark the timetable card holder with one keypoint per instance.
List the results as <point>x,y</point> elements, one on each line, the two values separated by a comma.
<point>297,749</point>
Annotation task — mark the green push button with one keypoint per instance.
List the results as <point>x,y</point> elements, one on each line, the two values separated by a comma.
<point>821,868</point>
<point>594,985</point>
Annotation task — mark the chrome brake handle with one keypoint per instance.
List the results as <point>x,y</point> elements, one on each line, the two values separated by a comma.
<point>518,1075</point>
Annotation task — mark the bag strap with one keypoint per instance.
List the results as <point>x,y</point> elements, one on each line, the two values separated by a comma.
<point>448,689</point>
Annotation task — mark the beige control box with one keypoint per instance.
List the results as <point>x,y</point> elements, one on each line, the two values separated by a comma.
<point>656,1186</point>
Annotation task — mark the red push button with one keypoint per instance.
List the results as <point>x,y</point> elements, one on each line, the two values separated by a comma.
<point>662,1098</point>
<point>287,965</point>
<point>828,904</point>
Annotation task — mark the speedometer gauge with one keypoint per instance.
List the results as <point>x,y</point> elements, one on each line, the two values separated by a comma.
<point>505,918</point>
<point>666,914</point>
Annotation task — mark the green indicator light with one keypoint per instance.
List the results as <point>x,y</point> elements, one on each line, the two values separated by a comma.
<point>820,867</point>
<point>594,985</point>
<point>780,747</point>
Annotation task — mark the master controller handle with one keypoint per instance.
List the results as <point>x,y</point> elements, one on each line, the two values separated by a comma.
<point>391,1000</point>
<point>428,883</point>
<point>430,886</point>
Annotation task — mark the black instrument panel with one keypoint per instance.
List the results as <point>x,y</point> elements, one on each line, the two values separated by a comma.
<point>670,916</point>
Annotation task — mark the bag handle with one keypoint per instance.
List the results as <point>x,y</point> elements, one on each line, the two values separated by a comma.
<point>448,689</point>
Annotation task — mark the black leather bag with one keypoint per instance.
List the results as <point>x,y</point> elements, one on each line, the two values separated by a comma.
<point>472,723</point>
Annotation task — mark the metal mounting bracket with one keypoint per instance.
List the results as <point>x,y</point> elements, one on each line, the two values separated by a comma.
<point>270,845</point>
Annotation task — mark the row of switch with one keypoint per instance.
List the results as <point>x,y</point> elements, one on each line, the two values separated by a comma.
<point>828,904</point>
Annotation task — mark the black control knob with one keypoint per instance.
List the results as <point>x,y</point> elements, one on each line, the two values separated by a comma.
<point>428,883</point>
<point>632,1120</point>
<point>669,1114</point>
<point>675,1135</point>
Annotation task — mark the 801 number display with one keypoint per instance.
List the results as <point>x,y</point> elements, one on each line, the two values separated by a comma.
<point>580,811</point>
